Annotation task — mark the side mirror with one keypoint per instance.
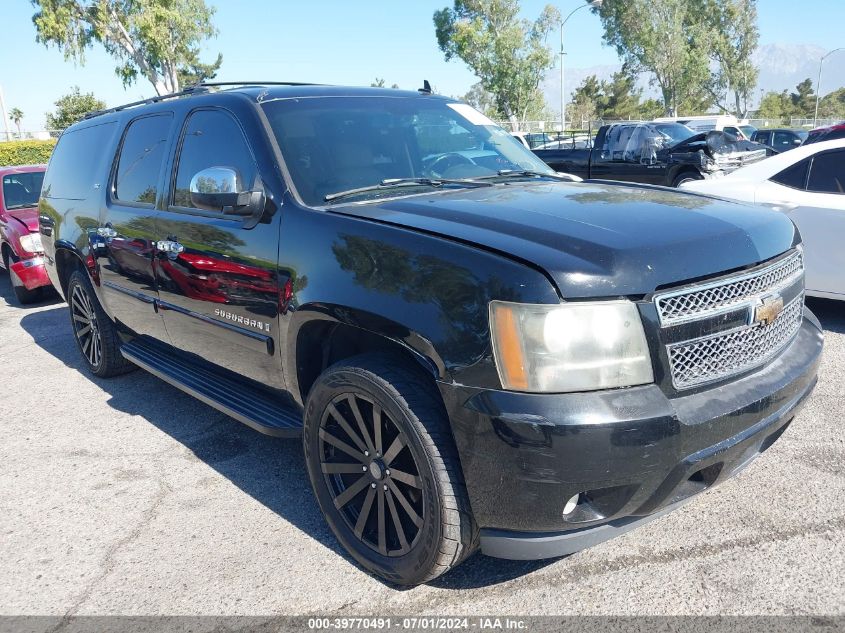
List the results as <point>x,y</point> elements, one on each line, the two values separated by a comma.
<point>221,189</point>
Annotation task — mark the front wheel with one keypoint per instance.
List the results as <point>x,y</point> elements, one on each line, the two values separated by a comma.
<point>385,470</point>
<point>687,176</point>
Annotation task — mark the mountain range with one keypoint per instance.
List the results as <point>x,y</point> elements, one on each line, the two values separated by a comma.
<point>782,66</point>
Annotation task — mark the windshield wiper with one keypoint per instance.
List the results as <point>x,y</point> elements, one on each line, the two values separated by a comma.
<point>390,183</point>
<point>522,173</point>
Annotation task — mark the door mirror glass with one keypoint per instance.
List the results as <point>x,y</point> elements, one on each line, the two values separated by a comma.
<point>220,189</point>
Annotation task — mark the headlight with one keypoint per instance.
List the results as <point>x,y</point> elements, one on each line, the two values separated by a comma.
<point>570,346</point>
<point>31,243</point>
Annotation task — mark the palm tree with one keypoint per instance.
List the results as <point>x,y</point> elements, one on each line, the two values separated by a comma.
<point>15,115</point>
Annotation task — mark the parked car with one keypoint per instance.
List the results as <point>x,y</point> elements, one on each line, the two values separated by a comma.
<point>703,123</point>
<point>808,185</point>
<point>20,242</point>
<point>654,153</point>
<point>829,133</point>
<point>781,139</point>
<point>476,350</point>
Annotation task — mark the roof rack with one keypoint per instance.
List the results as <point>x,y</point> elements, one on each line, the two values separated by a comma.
<point>197,88</point>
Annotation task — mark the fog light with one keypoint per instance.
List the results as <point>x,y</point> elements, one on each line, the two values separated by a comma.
<point>570,506</point>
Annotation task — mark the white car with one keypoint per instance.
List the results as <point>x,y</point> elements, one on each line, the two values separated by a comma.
<point>808,184</point>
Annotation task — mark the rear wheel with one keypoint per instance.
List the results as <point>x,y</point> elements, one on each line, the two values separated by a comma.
<point>385,471</point>
<point>95,333</point>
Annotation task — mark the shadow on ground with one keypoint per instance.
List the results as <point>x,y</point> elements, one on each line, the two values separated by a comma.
<point>831,313</point>
<point>271,470</point>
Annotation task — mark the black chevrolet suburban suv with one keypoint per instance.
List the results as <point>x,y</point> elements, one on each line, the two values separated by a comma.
<point>476,350</point>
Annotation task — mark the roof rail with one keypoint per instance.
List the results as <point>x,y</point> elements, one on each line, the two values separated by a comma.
<point>255,83</point>
<point>197,88</point>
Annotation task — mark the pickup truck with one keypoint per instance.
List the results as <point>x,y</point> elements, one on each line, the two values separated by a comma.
<point>475,351</point>
<point>654,153</point>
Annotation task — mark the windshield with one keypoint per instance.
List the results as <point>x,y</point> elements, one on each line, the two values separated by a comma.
<point>336,144</point>
<point>675,131</point>
<point>22,190</point>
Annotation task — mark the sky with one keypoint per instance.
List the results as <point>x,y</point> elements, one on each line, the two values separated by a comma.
<point>347,42</point>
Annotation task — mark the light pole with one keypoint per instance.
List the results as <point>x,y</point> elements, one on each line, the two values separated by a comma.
<point>819,82</point>
<point>592,4</point>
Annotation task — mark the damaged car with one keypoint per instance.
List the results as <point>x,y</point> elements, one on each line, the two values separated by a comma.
<point>656,153</point>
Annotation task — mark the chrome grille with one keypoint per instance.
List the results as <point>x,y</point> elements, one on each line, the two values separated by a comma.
<point>722,355</point>
<point>718,296</point>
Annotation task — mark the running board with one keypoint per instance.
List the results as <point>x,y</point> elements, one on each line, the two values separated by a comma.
<point>242,401</point>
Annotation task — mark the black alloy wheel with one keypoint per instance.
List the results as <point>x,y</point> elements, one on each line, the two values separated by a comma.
<point>85,327</point>
<point>95,333</point>
<point>384,468</point>
<point>372,475</point>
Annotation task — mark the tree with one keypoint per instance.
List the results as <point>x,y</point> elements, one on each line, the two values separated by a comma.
<point>661,38</point>
<point>156,39</point>
<point>195,72</point>
<point>15,116</point>
<point>508,54</point>
<point>621,98</point>
<point>72,108</point>
<point>832,105</point>
<point>616,100</point>
<point>482,101</point>
<point>804,99</point>
<point>732,34</point>
<point>586,101</point>
<point>378,83</point>
<point>776,105</point>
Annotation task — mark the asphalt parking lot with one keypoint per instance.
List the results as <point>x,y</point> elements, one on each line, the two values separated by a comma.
<point>126,496</point>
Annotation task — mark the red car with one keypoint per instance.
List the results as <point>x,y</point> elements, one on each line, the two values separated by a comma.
<point>20,241</point>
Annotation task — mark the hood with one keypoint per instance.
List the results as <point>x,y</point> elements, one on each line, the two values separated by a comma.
<point>718,142</point>
<point>28,217</point>
<point>596,239</point>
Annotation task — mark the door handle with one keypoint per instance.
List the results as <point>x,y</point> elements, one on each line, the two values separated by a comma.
<point>170,247</point>
<point>106,231</point>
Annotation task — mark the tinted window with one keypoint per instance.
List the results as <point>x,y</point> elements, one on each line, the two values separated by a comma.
<point>22,190</point>
<point>212,139</point>
<point>77,162</point>
<point>141,156</point>
<point>794,176</point>
<point>827,174</point>
<point>762,137</point>
<point>335,144</point>
<point>784,140</point>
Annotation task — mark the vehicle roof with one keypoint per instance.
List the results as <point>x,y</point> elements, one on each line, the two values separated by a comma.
<point>774,164</point>
<point>21,169</point>
<point>256,92</point>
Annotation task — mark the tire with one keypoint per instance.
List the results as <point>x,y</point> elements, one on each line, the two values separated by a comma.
<point>95,333</point>
<point>687,176</point>
<point>416,443</point>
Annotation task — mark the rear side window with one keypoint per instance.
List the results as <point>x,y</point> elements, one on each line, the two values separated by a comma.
<point>794,176</point>
<point>212,139</point>
<point>827,173</point>
<point>76,166</point>
<point>140,159</point>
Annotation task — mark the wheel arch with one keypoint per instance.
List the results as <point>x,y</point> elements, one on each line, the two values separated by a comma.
<point>322,335</point>
<point>67,259</point>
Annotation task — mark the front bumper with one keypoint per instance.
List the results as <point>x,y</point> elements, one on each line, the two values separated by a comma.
<point>31,272</point>
<point>628,454</point>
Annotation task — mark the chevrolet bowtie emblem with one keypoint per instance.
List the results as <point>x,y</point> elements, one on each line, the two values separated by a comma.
<point>769,310</point>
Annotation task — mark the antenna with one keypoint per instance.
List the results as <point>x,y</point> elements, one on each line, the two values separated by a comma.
<point>426,89</point>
